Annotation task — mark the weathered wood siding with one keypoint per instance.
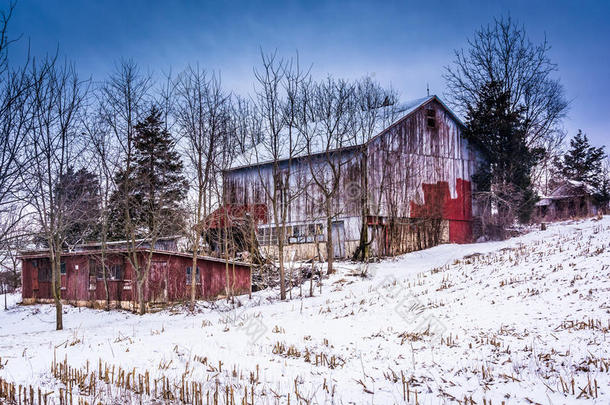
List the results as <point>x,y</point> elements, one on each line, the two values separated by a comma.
<point>416,170</point>
<point>166,282</point>
<point>419,172</point>
<point>253,184</point>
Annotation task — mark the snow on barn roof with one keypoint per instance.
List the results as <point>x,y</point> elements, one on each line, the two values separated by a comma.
<point>260,154</point>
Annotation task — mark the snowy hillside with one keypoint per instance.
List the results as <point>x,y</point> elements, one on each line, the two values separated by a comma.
<point>521,321</point>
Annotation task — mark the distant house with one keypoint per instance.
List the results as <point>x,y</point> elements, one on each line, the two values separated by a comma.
<point>169,279</point>
<point>418,170</point>
<point>568,200</point>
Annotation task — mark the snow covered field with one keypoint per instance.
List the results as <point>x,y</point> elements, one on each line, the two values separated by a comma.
<point>521,321</point>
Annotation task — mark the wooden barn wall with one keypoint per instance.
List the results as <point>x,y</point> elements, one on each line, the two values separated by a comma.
<point>418,171</point>
<point>414,171</point>
<point>248,185</point>
<point>166,281</point>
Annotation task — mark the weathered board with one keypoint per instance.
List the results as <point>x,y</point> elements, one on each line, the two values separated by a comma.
<point>166,282</point>
<point>419,174</point>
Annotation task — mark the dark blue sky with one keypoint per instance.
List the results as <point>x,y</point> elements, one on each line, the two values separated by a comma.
<point>405,44</point>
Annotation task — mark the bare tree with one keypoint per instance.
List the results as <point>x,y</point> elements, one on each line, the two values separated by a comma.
<point>15,121</point>
<point>278,83</point>
<point>124,98</point>
<point>502,64</point>
<point>376,108</point>
<point>53,147</point>
<point>103,156</point>
<point>12,244</point>
<point>326,134</point>
<point>502,53</point>
<point>5,41</point>
<point>203,114</point>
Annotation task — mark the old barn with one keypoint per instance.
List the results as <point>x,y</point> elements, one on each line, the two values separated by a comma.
<point>569,199</point>
<point>417,173</point>
<point>169,279</point>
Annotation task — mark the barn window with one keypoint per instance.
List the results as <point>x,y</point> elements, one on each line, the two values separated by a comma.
<point>116,271</point>
<point>62,268</point>
<point>189,277</point>
<point>44,273</point>
<point>93,274</point>
<point>431,117</point>
<point>273,239</point>
<point>95,270</point>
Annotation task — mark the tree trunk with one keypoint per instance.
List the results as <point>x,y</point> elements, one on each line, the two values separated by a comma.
<point>226,249</point>
<point>200,199</point>
<point>142,308</point>
<point>233,283</point>
<point>105,276</point>
<point>280,248</point>
<point>311,278</point>
<point>330,254</point>
<point>362,251</point>
<point>106,290</point>
<point>194,275</point>
<point>56,287</point>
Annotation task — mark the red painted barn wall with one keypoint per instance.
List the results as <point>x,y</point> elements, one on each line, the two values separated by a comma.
<point>168,278</point>
<point>414,168</point>
<point>118,290</point>
<point>439,204</point>
<point>166,281</point>
<point>26,279</point>
<point>75,283</point>
<point>215,280</point>
<point>72,285</point>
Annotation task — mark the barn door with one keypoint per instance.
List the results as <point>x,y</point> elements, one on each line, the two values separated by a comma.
<point>338,239</point>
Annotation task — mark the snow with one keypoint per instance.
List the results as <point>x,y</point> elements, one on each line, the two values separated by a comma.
<point>514,321</point>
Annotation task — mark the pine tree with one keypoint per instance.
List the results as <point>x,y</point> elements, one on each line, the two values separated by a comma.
<point>78,194</point>
<point>498,131</point>
<point>159,187</point>
<point>602,194</point>
<point>583,162</point>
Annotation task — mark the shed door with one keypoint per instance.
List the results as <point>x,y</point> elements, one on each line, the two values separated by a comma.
<point>34,276</point>
<point>158,282</point>
<point>81,272</point>
<point>338,239</point>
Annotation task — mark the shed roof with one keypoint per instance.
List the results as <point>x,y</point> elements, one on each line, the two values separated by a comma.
<point>567,189</point>
<point>233,214</point>
<point>38,254</point>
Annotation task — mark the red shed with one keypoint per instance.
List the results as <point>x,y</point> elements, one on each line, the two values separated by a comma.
<point>168,281</point>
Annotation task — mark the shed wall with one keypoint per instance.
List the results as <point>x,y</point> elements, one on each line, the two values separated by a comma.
<point>166,282</point>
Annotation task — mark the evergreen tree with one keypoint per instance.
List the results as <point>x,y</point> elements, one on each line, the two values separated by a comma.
<point>159,187</point>
<point>498,131</point>
<point>602,194</point>
<point>77,194</point>
<point>583,162</point>
<point>116,218</point>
